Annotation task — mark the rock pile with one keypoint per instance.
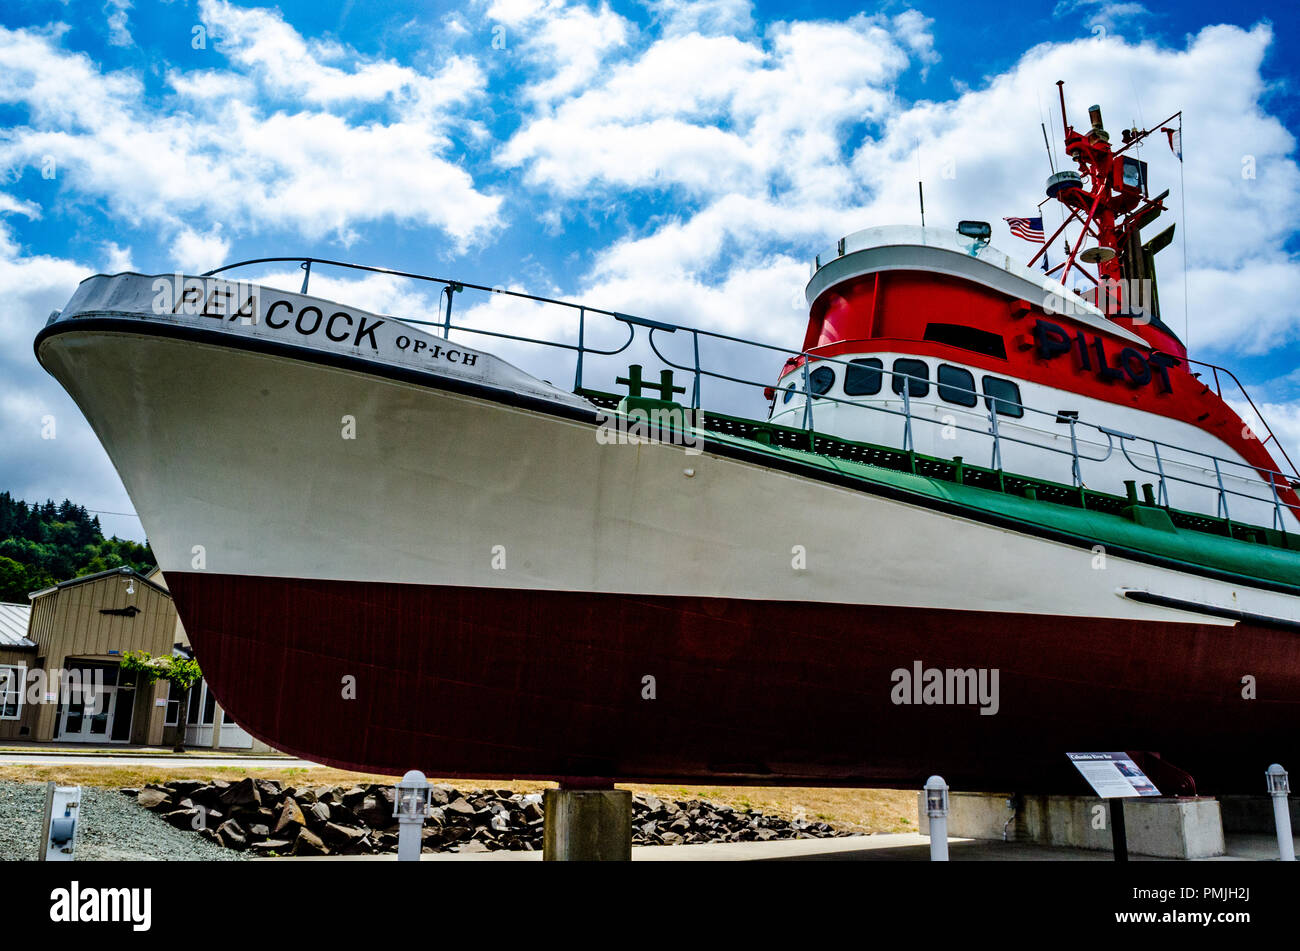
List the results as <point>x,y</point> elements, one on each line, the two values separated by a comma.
<point>264,817</point>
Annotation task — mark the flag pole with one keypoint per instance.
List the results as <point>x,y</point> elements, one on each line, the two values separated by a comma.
<point>1182,200</point>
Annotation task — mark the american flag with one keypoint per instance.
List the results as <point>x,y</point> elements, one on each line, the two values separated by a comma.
<point>1031,229</point>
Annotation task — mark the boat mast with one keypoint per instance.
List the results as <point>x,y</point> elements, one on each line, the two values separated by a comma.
<point>1107,195</point>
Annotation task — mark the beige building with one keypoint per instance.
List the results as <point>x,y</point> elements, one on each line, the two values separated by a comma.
<point>17,654</point>
<point>68,663</point>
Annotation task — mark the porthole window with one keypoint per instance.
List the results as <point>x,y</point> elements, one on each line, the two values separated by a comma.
<point>821,380</point>
<point>918,370</point>
<point>862,377</point>
<point>1005,395</point>
<point>956,385</point>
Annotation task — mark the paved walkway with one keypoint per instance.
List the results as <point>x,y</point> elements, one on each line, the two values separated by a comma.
<point>156,758</point>
<point>899,847</point>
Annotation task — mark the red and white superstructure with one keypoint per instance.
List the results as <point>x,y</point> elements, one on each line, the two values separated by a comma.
<point>969,329</point>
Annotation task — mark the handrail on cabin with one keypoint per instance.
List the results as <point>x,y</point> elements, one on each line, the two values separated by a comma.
<point>1271,476</point>
<point>1255,409</point>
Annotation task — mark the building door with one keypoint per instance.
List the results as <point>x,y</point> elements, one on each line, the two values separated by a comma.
<point>95,708</point>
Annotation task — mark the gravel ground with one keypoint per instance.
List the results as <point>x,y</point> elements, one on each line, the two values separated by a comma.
<point>115,829</point>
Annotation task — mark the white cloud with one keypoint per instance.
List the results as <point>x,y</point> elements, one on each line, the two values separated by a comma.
<point>1101,16</point>
<point>116,258</point>
<point>195,253</point>
<point>72,464</point>
<point>915,30</point>
<point>715,114</point>
<point>703,16</point>
<point>218,152</point>
<point>118,34</point>
<point>566,45</point>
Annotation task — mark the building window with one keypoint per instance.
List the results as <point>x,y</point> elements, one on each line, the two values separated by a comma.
<point>957,385</point>
<point>862,377</point>
<point>1005,395</point>
<point>173,706</point>
<point>196,698</point>
<point>209,706</point>
<point>918,370</point>
<point>821,380</point>
<point>13,677</point>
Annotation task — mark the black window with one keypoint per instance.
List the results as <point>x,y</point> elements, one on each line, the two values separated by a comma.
<point>956,385</point>
<point>1005,394</point>
<point>862,377</point>
<point>821,380</point>
<point>968,338</point>
<point>919,369</point>
<point>789,392</point>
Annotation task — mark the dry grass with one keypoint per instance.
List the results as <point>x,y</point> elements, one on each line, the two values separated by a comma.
<point>857,810</point>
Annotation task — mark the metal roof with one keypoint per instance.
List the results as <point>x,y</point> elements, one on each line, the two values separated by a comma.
<point>13,625</point>
<point>123,571</point>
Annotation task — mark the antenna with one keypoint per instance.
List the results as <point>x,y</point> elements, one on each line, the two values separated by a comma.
<point>919,190</point>
<point>1048,145</point>
<point>1182,201</point>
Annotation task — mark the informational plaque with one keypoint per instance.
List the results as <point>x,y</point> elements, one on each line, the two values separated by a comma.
<point>1113,775</point>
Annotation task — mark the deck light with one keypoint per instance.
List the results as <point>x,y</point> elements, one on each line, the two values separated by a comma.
<point>410,807</point>
<point>1279,787</point>
<point>936,807</point>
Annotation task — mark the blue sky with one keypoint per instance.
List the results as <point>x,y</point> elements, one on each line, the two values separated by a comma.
<point>680,160</point>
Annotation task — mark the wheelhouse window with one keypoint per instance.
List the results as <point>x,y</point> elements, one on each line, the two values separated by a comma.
<point>918,370</point>
<point>789,392</point>
<point>968,338</point>
<point>956,385</point>
<point>862,377</point>
<point>13,677</point>
<point>1004,395</point>
<point>821,380</point>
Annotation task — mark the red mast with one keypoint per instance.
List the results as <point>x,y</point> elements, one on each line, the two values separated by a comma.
<point>1107,195</point>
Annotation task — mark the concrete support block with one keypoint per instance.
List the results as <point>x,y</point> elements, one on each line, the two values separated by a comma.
<point>587,825</point>
<point>1254,813</point>
<point>1186,828</point>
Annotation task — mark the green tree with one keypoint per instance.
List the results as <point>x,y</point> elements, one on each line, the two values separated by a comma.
<point>56,542</point>
<point>179,671</point>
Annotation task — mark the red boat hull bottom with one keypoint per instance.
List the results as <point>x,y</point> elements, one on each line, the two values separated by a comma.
<point>496,684</point>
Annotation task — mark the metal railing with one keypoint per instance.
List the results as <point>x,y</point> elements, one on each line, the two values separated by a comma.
<point>1252,475</point>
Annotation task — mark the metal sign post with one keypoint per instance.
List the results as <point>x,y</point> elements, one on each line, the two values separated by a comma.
<point>1118,833</point>
<point>61,824</point>
<point>1114,777</point>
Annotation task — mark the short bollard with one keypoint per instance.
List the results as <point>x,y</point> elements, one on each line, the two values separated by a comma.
<point>936,807</point>
<point>1279,787</point>
<point>410,808</point>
